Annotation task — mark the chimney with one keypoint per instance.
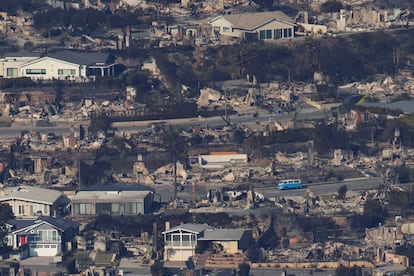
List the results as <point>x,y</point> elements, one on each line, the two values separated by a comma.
<point>167,225</point>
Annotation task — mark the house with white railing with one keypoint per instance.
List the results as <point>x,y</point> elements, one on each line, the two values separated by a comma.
<point>180,242</point>
<point>42,236</point>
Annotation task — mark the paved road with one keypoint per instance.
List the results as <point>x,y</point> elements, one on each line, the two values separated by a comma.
<point>324,188</point>
<point>270,192</point>
<point>305,114</point>
<point>61,128</point>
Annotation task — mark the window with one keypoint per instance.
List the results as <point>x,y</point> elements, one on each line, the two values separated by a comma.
<point>12,72</point>
<point>54,236</point>
<point>103,208</point>
<point>262,35</point>
<point>36,71</point>
<point>287,32</point>
<point>265,34</point>
<point>66,72</point>
<point>268,34</point>
<point>47,235</point>
<point>176,239</point>
<point>130,208</point>
<point>82,208</point>
<point>226,29</point>
<point>216,29</point>
<point>277,34</point>
<point>108,208</point>
<point>115,208</point>
<point>186,240</point>
<point>21,209</point>
<point>86,208</point>
<point>37,209</point>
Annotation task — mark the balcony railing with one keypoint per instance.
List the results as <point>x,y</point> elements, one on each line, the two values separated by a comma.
<point>188,244</point>
<point>45,239</point>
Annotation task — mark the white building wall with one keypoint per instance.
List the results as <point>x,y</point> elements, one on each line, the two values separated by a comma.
<point>12,63</point>
<point>224,27</point>
<point>51,69</point>
<point>179,254</point>
<point>274,25</point>
<point>230,246</point>
<point>23,208</point>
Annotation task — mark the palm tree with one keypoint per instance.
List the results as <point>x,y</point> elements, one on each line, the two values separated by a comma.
<point>176,148</point>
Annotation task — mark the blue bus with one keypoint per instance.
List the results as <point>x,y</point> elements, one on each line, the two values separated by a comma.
<point>290,184</point>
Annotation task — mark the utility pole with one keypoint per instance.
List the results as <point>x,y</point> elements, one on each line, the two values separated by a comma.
<point>396,59</point>
<point>79,175</point>
<point>226,115</point>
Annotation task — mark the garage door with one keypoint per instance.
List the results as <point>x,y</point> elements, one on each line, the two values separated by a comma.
<point>43,250</point>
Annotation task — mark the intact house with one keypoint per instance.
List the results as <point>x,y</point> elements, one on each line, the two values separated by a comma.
<point>43,236</point>
<point>91,203</point>
<point>180,242</point>
<point>254,26</point>
<point>30,201</point>
<point>62,65</point>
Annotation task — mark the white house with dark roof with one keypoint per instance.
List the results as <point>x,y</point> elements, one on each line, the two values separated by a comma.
<point>180,242</point>
<point>254,26</point>
<point>62,65</point>
<point>30,201</point>
<point>44,236</point>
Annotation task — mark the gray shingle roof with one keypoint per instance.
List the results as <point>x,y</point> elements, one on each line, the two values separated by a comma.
<point>223,234</point>
<point>110,196</point>
<point>250,21</point>
<point>21,54</point>
<point>83,58</point>
<point>58,222</point>
<point>18,224</point>
<point>30,193</point>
